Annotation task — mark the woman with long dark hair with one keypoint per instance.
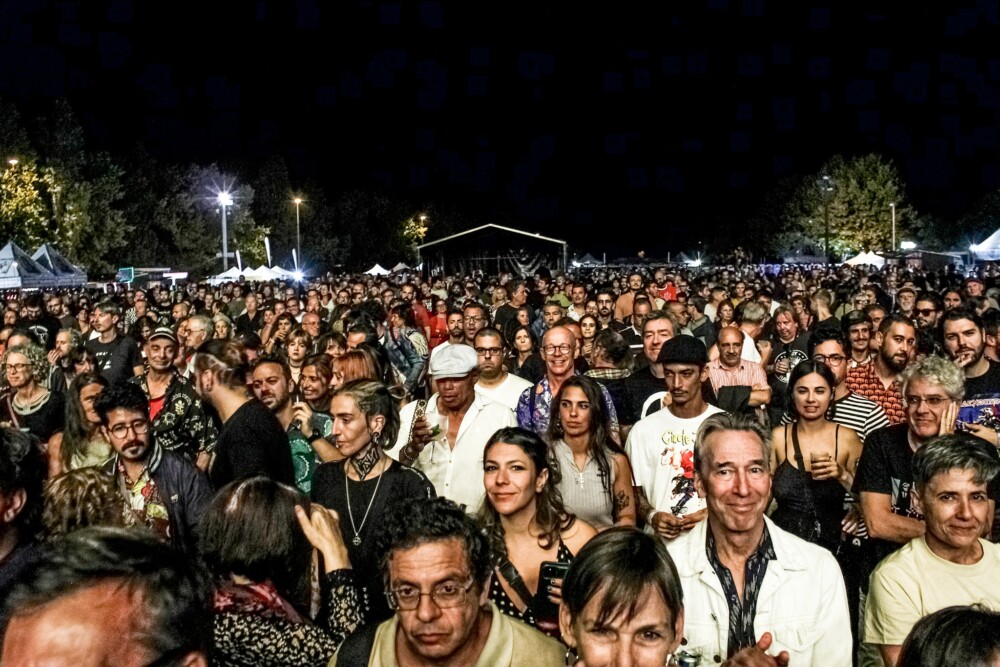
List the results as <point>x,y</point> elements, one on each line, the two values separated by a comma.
<point>590,328</point>
<point>812,476</point>
<point>81,443</point>
<point>257,538</point>
<point>524,360</point>
<point>527,523</point>
<point>596,478</point>
<point>366,483</point>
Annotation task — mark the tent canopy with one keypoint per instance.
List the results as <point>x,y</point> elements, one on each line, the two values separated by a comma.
<point>493,248</point>
<point>988,250</point>
<point>866,258</point>
<point>65,273</point>
<point>20,271</point>
<point>401,267</point>
<point>377,270</point>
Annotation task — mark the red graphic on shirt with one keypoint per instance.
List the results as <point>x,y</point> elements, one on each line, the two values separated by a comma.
<point>687,464</point>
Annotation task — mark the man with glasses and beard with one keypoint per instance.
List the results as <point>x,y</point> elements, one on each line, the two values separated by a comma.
<point>163,490</point>
<point>494,382</point>
<point>879,380</point>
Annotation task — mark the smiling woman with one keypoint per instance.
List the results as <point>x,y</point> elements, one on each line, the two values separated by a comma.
<point>528,526</point>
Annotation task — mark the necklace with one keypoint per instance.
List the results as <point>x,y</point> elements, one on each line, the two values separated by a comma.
<point>347,491</point>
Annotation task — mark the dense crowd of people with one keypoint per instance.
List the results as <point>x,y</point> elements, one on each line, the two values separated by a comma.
<point>742,465</point>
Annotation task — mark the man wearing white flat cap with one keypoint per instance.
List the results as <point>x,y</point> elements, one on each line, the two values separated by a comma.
<point>446,444</point>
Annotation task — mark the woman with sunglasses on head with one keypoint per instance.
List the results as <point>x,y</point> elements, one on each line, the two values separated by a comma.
<point>813,459</point>
<point>363,486</point>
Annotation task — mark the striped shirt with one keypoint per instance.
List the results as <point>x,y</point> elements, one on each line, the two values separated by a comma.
<point>855,412</point>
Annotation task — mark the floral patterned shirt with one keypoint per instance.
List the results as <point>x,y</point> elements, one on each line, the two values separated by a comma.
<point>182,424</point>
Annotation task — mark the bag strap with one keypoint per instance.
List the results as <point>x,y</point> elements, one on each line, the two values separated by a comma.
<point>514,580</point>
<point>357,648</point>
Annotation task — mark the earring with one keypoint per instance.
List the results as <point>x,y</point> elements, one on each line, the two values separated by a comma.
<point>376,436</point>
<point>571,656</point>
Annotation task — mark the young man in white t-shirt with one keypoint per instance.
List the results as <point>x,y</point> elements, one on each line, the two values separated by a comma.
<point>950,564</point>
<point>661,446</point>
<point>494,382</point>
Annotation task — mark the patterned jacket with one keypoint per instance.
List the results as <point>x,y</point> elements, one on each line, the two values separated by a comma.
<point>182,425</point>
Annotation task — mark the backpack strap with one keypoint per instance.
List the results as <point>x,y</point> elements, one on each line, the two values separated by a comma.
<point>357,648</point>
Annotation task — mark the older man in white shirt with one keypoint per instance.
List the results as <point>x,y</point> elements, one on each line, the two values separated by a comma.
<point>447,442</point>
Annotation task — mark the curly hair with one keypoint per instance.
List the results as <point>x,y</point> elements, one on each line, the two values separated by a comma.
<point>551,516</point>
<point>417,521</point>
<point>79,499</point>
<point>36,357</point>
<point>22,466</point>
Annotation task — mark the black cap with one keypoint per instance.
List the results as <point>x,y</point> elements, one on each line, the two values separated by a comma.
<point>683,350</point>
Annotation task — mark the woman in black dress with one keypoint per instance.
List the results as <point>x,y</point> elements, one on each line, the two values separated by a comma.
<point>28,405</point>
<point>366,483</point>
<point>813,459</point>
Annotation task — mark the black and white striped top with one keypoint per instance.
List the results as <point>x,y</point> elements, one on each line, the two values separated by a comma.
<point>856,412</point>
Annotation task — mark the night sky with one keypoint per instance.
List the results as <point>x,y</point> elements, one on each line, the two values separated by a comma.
<point>652,125</point>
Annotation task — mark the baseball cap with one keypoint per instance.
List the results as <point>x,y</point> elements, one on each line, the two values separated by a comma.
<point>454,361</point>
<point>163,332</point>
<point>683,350</point>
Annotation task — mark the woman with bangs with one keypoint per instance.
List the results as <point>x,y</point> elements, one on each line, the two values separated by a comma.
<point>622,603</point>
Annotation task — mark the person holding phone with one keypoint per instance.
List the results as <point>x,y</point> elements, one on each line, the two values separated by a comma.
<point>531,533</point>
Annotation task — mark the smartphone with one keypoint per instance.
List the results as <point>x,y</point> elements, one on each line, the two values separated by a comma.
<point>546,611</point>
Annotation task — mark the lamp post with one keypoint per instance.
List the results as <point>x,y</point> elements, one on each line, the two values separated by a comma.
<point>826,185</point>
<point>298,236</point>
<point>12,161</point>
<point>225,199</point>
<point>892,207</point>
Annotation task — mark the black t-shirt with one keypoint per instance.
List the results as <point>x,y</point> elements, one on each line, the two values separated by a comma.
<point>795,352</point>
<point>251,443</point>
<point>116,360</point>
<point>397,483</point>
<point>42,421</point>
<point>638,387</point>
<point>982,398</point>
<point>45,328</point>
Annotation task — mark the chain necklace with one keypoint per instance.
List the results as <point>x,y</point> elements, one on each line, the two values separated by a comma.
<point>347,491</point>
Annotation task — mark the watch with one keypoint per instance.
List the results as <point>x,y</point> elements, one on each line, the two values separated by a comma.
<point>314,437</point>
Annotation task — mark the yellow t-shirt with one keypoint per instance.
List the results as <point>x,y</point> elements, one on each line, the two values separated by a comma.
<point>914,582</point>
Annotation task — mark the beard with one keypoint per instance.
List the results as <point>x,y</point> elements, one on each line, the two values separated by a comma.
<point>895,363</point>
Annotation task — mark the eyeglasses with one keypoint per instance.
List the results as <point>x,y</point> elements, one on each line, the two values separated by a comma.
<point>473,319</point>
<point>926,312</point>
<point>445,596</point>
<point>552,349</point>
<point>930,401</point>
<point>832,359</point>
<point>139,427</point>
<point>17,368</point>
<point>489,351</point>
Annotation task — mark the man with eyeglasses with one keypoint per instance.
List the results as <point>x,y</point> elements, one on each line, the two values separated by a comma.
<point>932,389</point>
<point>559,355</point>
<point>474,316</point>
<point>437,567</point>
<point>494,382</point>
<point>163,490</point>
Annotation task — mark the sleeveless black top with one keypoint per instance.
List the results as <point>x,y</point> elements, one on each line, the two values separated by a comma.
<point>808,508</point>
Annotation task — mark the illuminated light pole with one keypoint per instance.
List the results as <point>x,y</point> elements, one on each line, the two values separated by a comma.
<point>12,161</point>
<point>826,185</point>
<point>225,199</point>
<point>892,207</point>
<point>298,235</point>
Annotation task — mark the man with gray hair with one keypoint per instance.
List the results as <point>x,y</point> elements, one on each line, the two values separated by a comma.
<point>932,391</point>
<point>951,564</point>
<point>750,587</point>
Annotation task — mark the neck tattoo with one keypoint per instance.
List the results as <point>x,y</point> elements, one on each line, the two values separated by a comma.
<point>365,461</point>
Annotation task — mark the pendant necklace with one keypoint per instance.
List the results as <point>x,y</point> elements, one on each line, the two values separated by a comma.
<point>356,541</point>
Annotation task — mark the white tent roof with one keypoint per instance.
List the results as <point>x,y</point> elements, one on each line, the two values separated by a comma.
<point>377,270</point>
<point>402,266</point>
<point>66,274</point>
<point>989,249</point>
<point>18,270</point>
<point>866,258</point>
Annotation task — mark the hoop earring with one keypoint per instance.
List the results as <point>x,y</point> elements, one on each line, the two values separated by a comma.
<point>571,656</point>
<point>376,436</point>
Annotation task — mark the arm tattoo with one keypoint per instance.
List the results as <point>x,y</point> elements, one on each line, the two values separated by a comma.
<point>621,501</point>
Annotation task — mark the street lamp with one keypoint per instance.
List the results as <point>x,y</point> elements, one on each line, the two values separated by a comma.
<point>826,185</point>
<point>892,207</point>
<point>12,161</point>
<point>298,236</point>
<point>225,199</point>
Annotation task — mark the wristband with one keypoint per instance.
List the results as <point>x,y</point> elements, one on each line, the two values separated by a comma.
<point>314,437</point>
<point>649,517</point>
